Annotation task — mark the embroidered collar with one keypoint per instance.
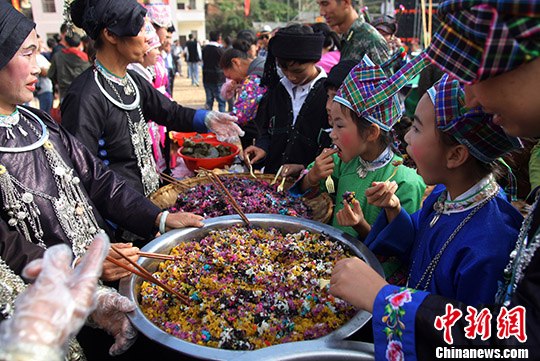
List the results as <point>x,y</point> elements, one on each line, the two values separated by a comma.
<point>485,188</point>
<point>467,200</point>
<point>383,159</point>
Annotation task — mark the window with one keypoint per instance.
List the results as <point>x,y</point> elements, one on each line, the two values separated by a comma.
<point>181,6</point>
<point>192,4</point>
<point>48,6</point>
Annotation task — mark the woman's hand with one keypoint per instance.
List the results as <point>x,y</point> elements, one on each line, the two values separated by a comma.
<point>112,272</point>
<point>183,219</point>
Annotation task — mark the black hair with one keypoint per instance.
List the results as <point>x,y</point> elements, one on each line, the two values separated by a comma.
<point>331,38</point>
<point>73,40</point>
<point>214,35</point>
<point>64,28</point>
<point>239,50</point>
<point>51,42</point>
<point>481,169</point>
<point>247,35</point>
<point>190,36</point>
<point>171,29</point>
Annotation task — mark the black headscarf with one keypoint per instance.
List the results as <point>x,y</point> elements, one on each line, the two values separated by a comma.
<point>14,29</point>
<point>291,43</point>
<point>122,18</point>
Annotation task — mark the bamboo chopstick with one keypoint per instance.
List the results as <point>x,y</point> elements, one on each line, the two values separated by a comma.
<point>143,273</point>
<point>220,186</point>
<point>168,178</point>
<point>166,257</point>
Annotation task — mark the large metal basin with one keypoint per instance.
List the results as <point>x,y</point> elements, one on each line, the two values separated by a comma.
<point>163,244</point>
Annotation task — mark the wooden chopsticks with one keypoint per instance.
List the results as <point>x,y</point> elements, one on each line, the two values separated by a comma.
<point>144,274</point>
<point>221,187</point>
<point>165,257</point>
<point>168,178</point>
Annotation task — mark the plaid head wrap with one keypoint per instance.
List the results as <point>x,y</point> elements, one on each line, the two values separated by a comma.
<point>122,18</point>
<point>14,29</point>
<point>159,14</point>
<point>479,39</point>
<point>372,95</point>
<point>471,127</point>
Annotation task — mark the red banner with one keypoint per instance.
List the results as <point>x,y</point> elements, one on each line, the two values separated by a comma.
<point>247,4</point>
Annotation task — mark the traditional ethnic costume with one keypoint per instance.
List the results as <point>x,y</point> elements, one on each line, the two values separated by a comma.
<point>292,118</point>
<point>477,40</point>
<point>52,189</point>
<point>108,114</point>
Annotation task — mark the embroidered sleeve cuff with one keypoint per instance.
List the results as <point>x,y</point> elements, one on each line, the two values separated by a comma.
<point>394,314</point>
<point>198,121</point>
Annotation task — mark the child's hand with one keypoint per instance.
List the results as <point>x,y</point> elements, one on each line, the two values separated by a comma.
<point>293,170</point>
<point>254,153</point>
<point>356,282</point>
<point>323,166</point>
<point>382,195</point>
<point>350,217</point>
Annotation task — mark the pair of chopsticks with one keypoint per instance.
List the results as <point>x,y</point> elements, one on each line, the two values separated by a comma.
<point>144,274</point>
<point>168,178</point>
<point>228,196</point>
<point>165,257</point>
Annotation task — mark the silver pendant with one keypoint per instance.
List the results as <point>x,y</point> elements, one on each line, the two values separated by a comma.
<point>434,220</point>
<point>362,172</point>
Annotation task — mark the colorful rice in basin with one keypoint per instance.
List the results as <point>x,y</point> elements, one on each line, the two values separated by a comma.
<point>249,288</point>
<point>253,196</point>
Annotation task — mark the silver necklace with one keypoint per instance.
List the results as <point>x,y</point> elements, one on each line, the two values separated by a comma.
<point>142,145</point>
<point>520,258</point>
<point>428,273</point>
<point>121,104</point>
<point>71,207</point>
<point>41,138</point>
<point>11,121</point>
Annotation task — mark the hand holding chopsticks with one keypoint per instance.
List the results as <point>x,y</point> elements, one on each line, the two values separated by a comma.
<point>144,274</point>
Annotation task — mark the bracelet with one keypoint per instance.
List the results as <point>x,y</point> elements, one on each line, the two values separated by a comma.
<point>162,221</point>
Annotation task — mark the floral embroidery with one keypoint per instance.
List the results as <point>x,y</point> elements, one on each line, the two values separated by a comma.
<point>249,96</point>
<point>393,314</point>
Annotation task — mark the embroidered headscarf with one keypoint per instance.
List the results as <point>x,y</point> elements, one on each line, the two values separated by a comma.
<point>122,18</point>
<point>479,39</point>
<point>152,38</point>
<point>14,29</point>
<point>471,127</point>
<point>159,14</point>
<point>372,95</point>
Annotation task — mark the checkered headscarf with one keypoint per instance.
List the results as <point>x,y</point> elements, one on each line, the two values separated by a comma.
<point>479,39</point>
<point>372,95</point>
<point>471,127</point>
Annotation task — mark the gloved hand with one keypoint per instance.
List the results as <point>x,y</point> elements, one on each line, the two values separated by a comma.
<point>55,307</point>
<point>224,125</point>
<point>110,315</point>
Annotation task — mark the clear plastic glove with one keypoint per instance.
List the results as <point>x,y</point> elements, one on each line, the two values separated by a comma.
<point>110,315</point>
<point>55,307</point>
<point>224,125</point>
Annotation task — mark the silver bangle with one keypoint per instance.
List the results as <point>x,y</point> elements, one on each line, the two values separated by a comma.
<point>162,221</point>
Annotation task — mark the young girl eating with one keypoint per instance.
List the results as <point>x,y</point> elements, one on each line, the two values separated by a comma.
<point>458,244</point>
<point>363,153</point>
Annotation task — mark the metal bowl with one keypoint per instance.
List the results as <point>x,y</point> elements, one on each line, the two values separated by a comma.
<point>130,286</point>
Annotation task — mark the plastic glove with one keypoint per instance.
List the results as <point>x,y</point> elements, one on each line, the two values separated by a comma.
<point>110,315</point>
<point>224,125</point>
<point>54,308</point>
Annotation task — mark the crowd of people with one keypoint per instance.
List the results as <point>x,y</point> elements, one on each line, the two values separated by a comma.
<point>322,104</point>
